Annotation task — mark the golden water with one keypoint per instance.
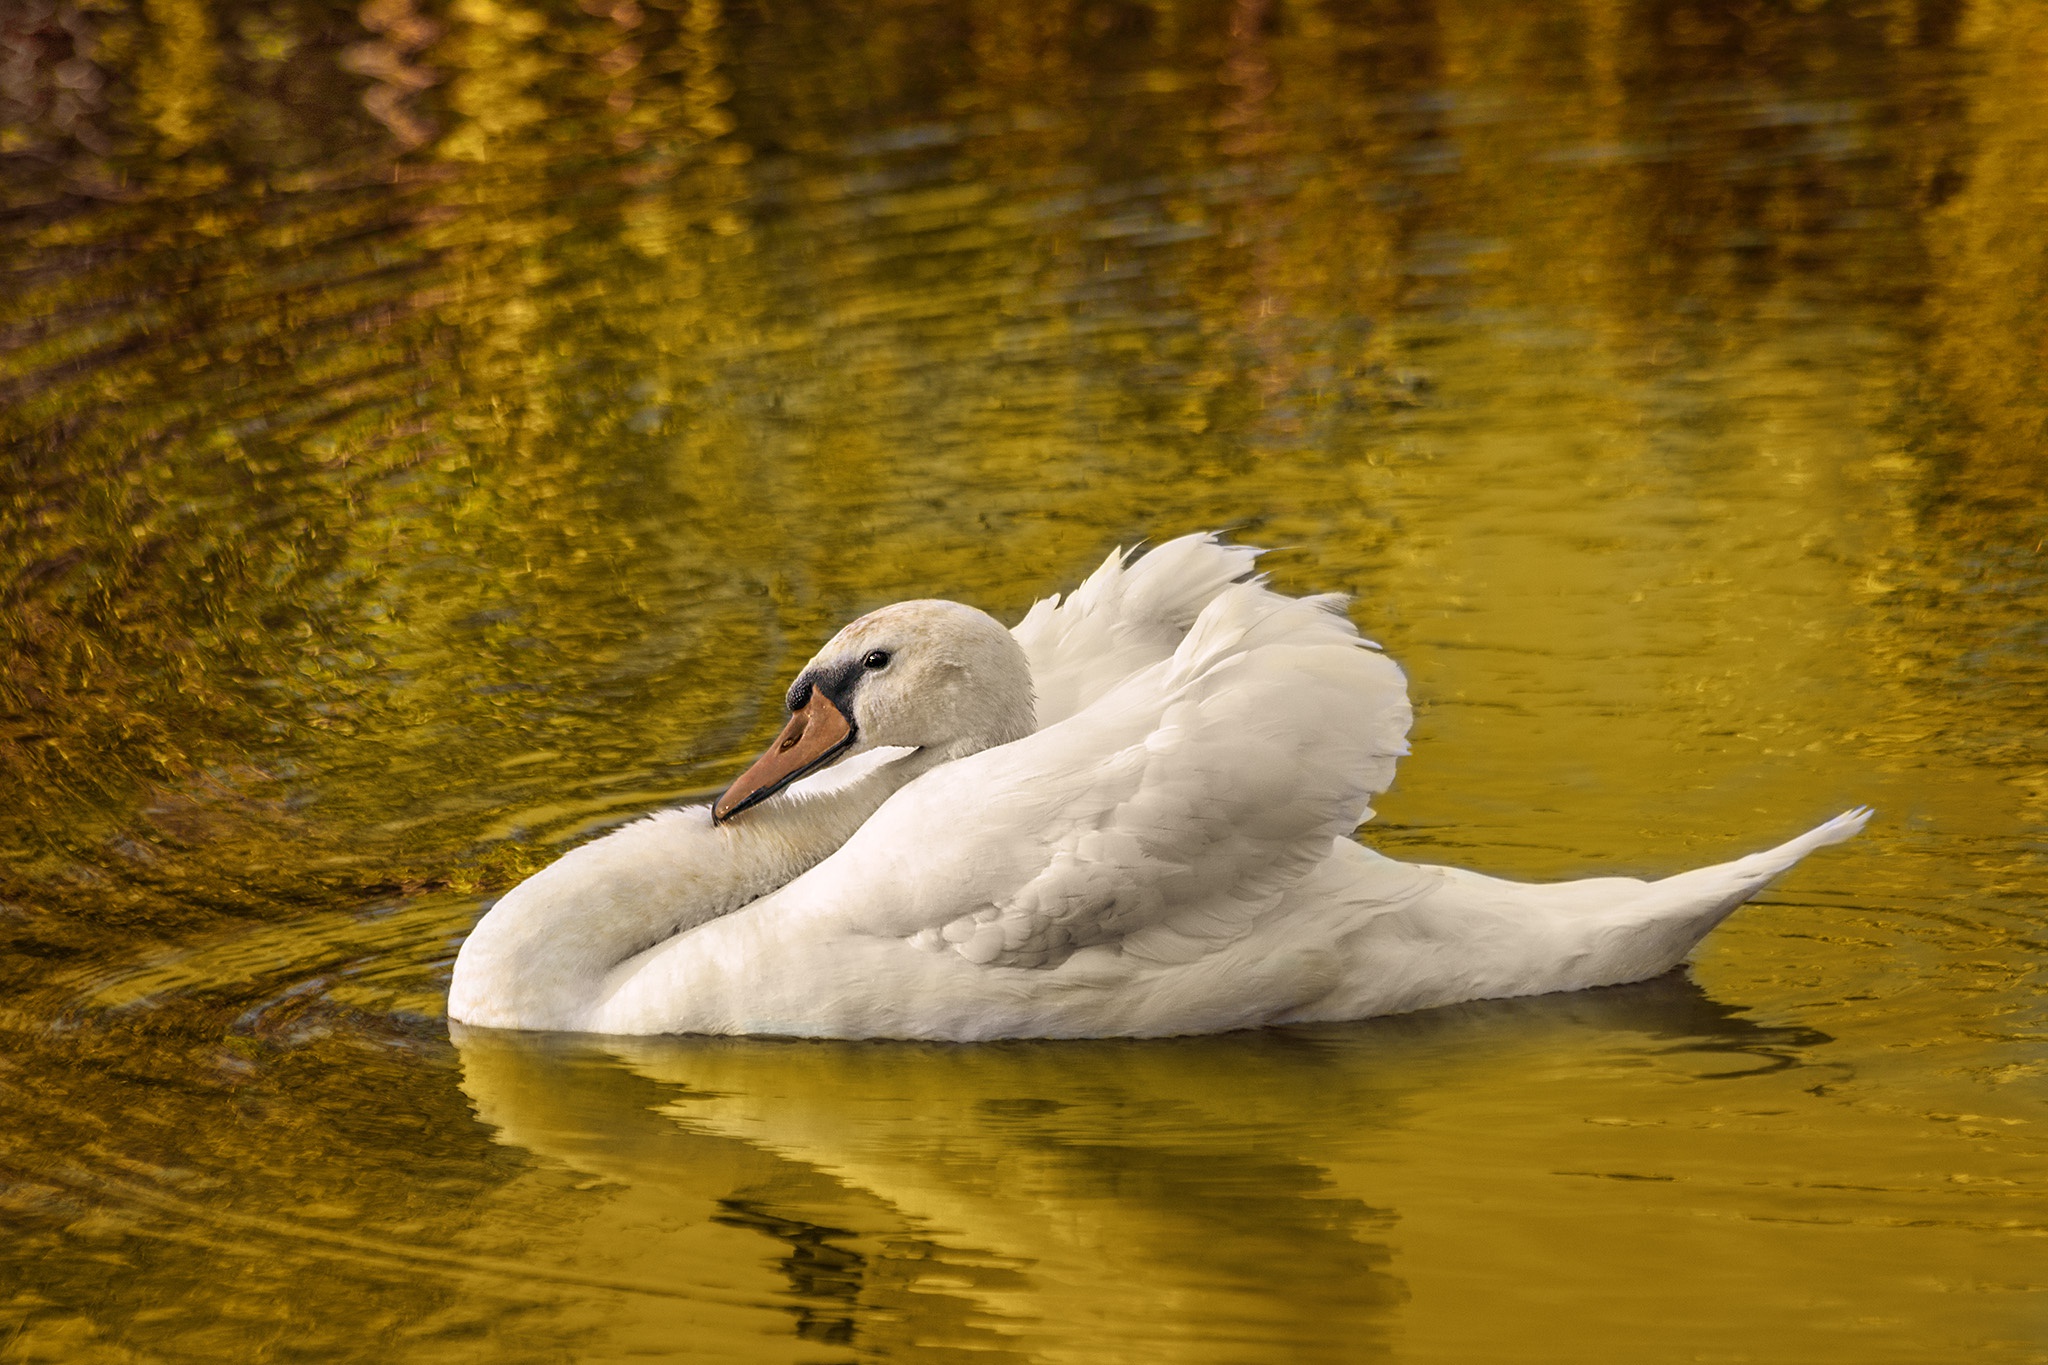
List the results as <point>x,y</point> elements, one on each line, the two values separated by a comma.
<point>435,436</point>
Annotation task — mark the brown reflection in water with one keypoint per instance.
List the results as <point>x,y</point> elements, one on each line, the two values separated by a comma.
<point>199,1195</point>
<point>401,32</point>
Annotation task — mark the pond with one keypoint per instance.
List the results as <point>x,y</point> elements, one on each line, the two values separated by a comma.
<point>436,433</point>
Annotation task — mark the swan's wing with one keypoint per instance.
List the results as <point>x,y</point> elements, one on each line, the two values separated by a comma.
<point>1130,613</point>
<point>1158,822</point>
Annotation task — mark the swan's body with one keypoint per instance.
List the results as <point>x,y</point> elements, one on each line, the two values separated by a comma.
<point>1156,842</point>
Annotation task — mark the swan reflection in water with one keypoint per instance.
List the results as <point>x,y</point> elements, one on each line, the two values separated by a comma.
<point>1199,1199</point>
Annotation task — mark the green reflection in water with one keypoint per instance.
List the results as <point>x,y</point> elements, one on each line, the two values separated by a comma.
<point>435,432</point>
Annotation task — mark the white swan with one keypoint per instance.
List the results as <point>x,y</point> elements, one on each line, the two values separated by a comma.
<point>1156,842</point>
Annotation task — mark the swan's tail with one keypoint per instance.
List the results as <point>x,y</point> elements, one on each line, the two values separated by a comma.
<point>1749,875</point>
<point>1677,912</point>
<point>1414,937</point>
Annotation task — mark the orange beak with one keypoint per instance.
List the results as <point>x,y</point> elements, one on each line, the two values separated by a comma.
<point>817,734</point>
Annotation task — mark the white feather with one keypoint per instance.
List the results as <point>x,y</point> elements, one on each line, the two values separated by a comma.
<point>1129,613</point>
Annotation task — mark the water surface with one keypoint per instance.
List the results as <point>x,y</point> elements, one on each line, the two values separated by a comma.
<point>436,433</point>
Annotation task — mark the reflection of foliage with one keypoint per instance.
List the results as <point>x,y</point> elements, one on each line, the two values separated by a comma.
<point>1991,309</point>
<point>444,378</point>
<point>435,428</point>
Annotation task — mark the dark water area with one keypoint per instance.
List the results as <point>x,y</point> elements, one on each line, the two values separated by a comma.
<point>435,433</point>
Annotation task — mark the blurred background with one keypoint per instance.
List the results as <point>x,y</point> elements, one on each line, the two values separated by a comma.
<point>436,430</point>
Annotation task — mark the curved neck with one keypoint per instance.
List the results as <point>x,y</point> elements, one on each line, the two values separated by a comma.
<point>539,959</point>
<point>781,839</point>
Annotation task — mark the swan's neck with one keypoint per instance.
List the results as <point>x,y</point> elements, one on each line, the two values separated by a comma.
<point>540,958</point>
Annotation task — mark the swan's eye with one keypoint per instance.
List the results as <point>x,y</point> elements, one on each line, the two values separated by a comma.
<point>877,658</point>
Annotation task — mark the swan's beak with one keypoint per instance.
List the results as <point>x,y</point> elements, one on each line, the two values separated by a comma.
<point>817,734</point>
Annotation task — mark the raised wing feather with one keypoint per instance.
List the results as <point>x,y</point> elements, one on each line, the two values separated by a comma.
<point>1161,820</point>
<point>1131,612</point>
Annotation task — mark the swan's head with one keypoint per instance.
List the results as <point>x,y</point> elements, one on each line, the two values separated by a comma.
<point>926,675</point>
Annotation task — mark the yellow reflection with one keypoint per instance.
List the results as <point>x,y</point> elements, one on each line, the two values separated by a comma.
<point>1991,300</point>
<point>390,518</point>
<point>176,89</point>
<point>498,61</point>
<point>1052,1202</point>
<point>1308,1194</point>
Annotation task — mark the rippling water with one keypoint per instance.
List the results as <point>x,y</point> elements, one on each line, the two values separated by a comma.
<point>435,433</point>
